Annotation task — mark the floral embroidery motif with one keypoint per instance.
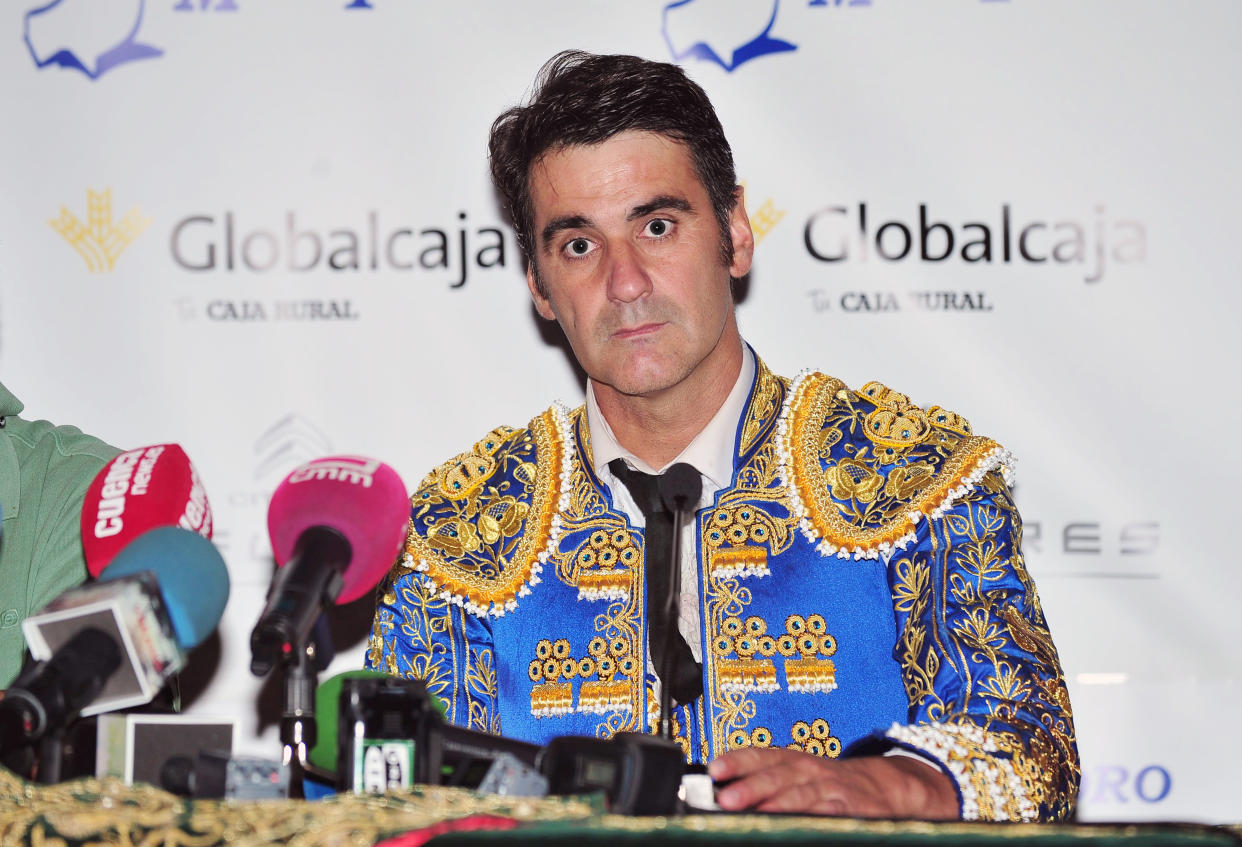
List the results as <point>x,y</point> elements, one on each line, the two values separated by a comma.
<point>736,538</point>
<point>483,523</point>
<point>995,779</point>
<point>852,497</point>
<point>423,619</point>
<point>1013,753</point>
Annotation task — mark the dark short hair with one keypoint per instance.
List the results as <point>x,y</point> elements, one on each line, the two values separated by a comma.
<point>581,98</point>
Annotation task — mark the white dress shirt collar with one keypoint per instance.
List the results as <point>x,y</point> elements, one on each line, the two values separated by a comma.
<point>711,452</point>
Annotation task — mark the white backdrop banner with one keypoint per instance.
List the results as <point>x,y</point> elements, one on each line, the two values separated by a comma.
<point>264,229</point>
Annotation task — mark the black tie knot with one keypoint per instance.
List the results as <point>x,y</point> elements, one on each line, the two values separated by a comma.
<point>643,487</point>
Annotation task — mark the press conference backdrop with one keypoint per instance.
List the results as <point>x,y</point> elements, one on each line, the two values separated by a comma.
<point>264,229</point>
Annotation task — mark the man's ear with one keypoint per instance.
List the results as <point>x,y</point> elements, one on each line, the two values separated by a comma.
<point>741,235</point>
<point>542,305</point>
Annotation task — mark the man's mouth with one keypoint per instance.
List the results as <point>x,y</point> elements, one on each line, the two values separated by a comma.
<point>637,331</point>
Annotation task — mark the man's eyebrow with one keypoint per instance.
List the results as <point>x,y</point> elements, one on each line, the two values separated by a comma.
<point>664,201</point>
<point>560,224</point>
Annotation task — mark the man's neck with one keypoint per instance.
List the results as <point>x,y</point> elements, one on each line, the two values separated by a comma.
<point>657,427</point>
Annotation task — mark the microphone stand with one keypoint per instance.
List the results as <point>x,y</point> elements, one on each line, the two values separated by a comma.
<point>680,488</point>
<point>293,635</point>
<point>672,606</point>
<point>299,730</point>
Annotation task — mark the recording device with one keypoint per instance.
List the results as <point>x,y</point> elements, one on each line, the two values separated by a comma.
<point>639,774</point>
<point>158,599</point>
<point>215,774</point>
<point>336,526</point>
<point>142,747</point>
<point>390,735</point>
<point>383,733</point>
<point>112,643</point>
<point>138,491</point>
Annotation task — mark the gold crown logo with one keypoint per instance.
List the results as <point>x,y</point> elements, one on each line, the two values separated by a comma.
<point>763,220</point>
<point>100,241</point>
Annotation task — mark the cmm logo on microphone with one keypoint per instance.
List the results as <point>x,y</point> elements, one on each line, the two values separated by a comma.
<point>352,470</point>
<point>100,239</point>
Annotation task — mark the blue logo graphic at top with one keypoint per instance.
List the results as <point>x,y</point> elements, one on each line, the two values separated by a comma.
<point>93,36</point>
<point>727,32</point>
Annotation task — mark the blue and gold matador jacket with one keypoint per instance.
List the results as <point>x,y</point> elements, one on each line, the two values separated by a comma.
<point>861,582</point>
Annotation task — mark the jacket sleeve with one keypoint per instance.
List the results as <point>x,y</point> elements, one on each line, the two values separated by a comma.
<point>988,700</point>
<point>420,634</point>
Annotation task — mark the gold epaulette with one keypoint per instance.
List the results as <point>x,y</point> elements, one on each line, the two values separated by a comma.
<point>483,523</point>
<point>863,468</point>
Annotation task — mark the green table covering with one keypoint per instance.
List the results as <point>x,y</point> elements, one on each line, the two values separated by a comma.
<point>99,812</point>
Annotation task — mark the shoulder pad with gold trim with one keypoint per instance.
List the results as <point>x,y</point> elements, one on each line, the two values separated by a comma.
<point>864,467</point>
<point>483,523</point>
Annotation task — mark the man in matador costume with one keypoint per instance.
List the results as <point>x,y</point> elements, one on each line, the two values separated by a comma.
<point>857,632</point>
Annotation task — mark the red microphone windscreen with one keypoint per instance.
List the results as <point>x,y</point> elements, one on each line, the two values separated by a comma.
<point>363,499</point>
<point>137,491</point>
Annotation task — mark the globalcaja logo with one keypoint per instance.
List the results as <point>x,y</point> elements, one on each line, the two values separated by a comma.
<point>87,35</point>
<point>764,218</point>
<point>860,233</point>
<point>1084,244</point>
<point>100,241</point>
<point>233,242</point>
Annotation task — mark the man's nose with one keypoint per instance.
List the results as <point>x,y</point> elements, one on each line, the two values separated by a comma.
<point>628,278</point>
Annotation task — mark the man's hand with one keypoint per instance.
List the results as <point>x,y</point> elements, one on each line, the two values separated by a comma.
<point>775,780</point>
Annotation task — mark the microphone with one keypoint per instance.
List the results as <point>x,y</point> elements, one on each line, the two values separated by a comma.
<point>50,694</point>
<point>336,525</point>
<point>161,597</point>
<point>191,574</point>
<point>680,487</point>
<point>135,492</point>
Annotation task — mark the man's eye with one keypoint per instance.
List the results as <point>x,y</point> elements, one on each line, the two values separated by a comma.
<point>659,228</point>
<point>579,247</point>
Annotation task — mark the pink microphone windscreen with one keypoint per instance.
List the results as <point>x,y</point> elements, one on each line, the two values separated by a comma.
<point>363,499</point>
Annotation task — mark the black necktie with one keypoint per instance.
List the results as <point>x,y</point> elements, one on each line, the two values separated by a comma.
<point>687,677</point>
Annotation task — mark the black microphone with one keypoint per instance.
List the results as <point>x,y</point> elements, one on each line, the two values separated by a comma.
<point>50,693</point>
<point>680,487</point>
<point>336,526</point>
<point>296,598</point>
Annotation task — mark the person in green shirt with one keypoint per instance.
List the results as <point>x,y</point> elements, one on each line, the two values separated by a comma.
<point>44,473</point>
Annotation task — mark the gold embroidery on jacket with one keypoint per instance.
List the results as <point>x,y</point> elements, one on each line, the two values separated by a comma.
<point>873,511</point>
<point>606,566</point>
<point>738,538</point>
<point>480,542</point>
<point>424,614</point>
<point>1002,773</point>
<point>815,738</point>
